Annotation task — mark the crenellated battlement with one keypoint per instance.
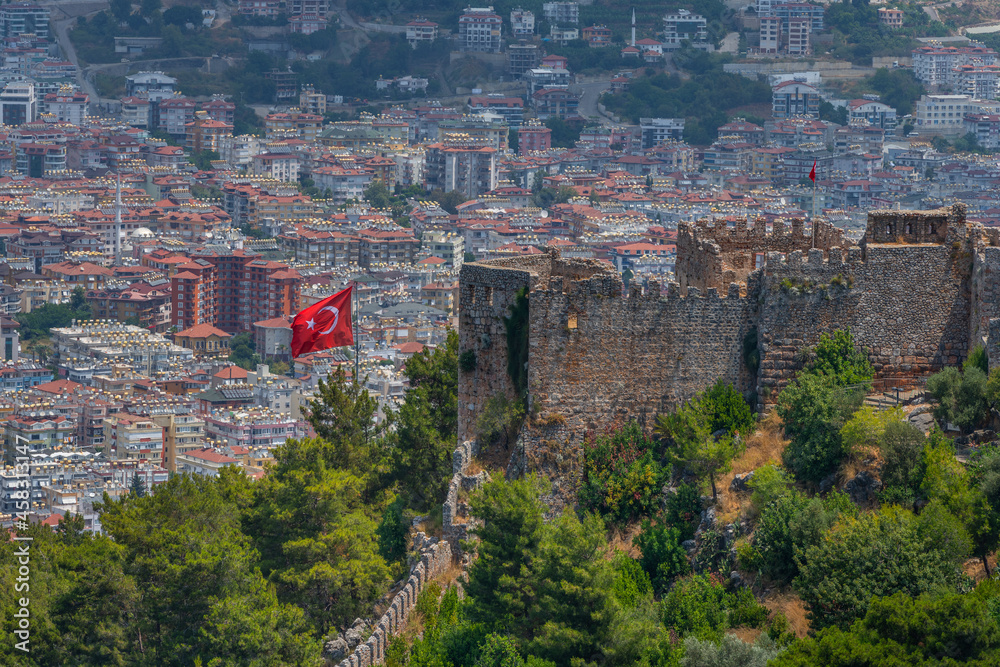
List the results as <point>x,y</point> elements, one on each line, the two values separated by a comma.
<point>914,301</point>
<point>915,227</point>
<point>714,254</point>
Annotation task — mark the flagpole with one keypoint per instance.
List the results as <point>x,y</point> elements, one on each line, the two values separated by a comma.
<point>812,176</point>
<point>357,330</point>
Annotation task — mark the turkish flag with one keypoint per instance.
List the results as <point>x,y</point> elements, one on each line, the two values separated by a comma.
<point>812,174</point>
<point>323,325</point>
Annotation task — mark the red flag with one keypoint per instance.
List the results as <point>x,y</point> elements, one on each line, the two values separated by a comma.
<point>812,174</point>
<point>323,325</point>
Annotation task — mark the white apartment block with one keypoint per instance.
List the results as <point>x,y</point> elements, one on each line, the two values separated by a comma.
<point>480,29</point>
<point>770,34</point>
<point>561,13</point>
<point>799,30</point>
<point>945,114</point>
<point>935,65</point>
<point>522,23</point>
<point>683,26</point>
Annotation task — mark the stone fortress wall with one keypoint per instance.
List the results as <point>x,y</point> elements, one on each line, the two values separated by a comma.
<point>918,292</point>
<point>434,561</point>
<point>715,254</point>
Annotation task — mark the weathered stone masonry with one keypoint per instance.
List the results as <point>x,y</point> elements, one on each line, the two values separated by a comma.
<point>921,288</point>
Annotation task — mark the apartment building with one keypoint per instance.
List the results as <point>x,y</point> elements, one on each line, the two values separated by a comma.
<point>421,31</point>
<point>480,29</point>
<point>683,26</point>
<point>794,98</point>
<point>461,163</point>
<point>522,23</point>
<point>561,13</point>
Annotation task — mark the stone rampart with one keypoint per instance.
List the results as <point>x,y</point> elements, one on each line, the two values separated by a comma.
<point>596,358</point>
<point>715,254</point>
<point>456,519</point>
<point>434,561</point>
<point>907,305</point>
<point>487,292</point>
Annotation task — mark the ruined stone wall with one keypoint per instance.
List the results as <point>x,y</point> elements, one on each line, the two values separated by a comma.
<point>598,359</point>
<point>713,254</point>
<point>487,291</point>
<point>434,561</point>
<point>907,305</point>
<point>891,226</point>
<point>455,516</point>
<point>986,297</point>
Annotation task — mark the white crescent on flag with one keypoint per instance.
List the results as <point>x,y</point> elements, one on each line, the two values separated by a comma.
<point>336,318</point>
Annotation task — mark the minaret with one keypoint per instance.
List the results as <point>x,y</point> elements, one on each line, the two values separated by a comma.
<point>633,26</point>
<point>118,221</point>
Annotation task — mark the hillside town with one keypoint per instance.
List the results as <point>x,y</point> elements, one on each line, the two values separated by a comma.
<point>177,182</point>
<point>187,247</point>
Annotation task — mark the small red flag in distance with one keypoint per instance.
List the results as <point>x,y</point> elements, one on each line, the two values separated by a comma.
<point>812,174</point>
<point>323,325</point>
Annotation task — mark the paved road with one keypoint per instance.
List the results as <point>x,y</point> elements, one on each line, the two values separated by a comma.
<point>590,94</point>
<point>62,16</point>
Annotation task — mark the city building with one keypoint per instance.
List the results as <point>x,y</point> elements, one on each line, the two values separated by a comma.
<point>522,56</point>
<point>874,112</point>
<point>68,105</point>
<point>770,34</point>
<point>522,23</point>
<point>320,8</point>
<point>799,43</point>
<point>985,127</point>
<point>421,31</point>
<point>18,18</point>
<point>155,85</point>
<point>18,104</point>
<point>264,8</point>
<point>655,131</point>
<point>597,35</point>
<point>561,13</point>
<point>174,115</point>
<point>480,29</point>
<point>935,65</point>
<point>794,98</point>
<point>544,77</point>
<point>300,125</point>
<point>787,11</point>
<point>890,17</point>
<point>134,438</point>
<point>511,109</point>
<point>683,26</point>
<point>533,137</point>
<point>393,245</point>
<point>555,102</point>
<point>232,291</point>
<point>183,431</point>
<point>445,245</point>
<point>205,133</point>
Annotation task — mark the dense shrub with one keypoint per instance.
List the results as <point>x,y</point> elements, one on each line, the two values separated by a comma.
<point>875,554</point>
<point>663,557</point>
<point>726,409</point>
<point>813,410</point>
<point>683,510</point>
<point>622,479</point>
<point>961,396</point>
<point>902,444</point>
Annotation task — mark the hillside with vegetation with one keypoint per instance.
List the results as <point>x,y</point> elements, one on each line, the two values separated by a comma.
<point>829,532</point>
